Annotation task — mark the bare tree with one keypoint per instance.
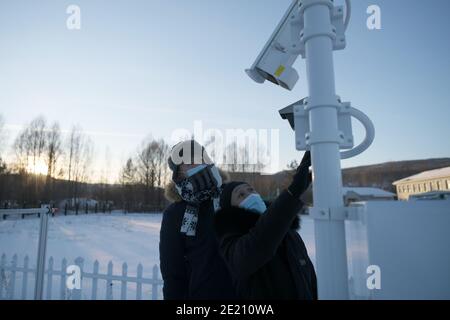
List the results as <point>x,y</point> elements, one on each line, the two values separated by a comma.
<point>162,153</point>
<point>2,145</point>
<point>29,145</point>
<point>104,192</point>
<point>73,143</point>
<point>146,163</point>
<point>3,168</point>
<point>83,162</point>
<point>151,168</point>
<point>161,168</point>
<point>22,151</point>
<point>237,158</point>
<point>37,141</point>
<point>29,148</point>
<point>53,148</point>
<point>128,181</point>
<point>53,151</point>
<point>230,158</point>
<point>2,136</point>
<point>128,173</point>
<point>79,159</point>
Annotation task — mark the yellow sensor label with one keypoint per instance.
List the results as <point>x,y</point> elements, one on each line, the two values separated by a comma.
<point>280,70</point>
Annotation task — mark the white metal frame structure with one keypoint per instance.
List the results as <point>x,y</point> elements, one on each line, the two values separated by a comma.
<point>97,285</point>
<point>381,230</point>
<point>44,213</point>
<point>314,29</point>
<point>42,251</point>
<point>324,142</point>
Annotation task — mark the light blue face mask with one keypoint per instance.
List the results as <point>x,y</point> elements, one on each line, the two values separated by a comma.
<point>195,170</point>
<point>254,203</point>
<point>215,172</point>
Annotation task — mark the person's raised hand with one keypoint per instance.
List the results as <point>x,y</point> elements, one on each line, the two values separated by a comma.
<point>302,177</point>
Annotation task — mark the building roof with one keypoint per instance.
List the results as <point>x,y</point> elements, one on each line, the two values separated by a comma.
<point>426,175</point>
<point>363,191</point>
<point>432,195</point>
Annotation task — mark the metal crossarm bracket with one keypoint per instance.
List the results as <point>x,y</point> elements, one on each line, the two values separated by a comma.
<point>300,34</point>
<point>305,138</point>
<point>340,213</point>
<point>328,213</point>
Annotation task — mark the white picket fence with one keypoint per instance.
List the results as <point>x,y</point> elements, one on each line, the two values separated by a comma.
<point>10,273</point>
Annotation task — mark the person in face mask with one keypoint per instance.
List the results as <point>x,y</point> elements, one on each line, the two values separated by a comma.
<point>260,243</point>
<point>191,266</point>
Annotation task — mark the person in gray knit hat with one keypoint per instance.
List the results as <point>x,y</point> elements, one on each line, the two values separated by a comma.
<point>191,265</point>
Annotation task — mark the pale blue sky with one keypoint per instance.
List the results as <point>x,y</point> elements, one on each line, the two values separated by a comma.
<point>140,67</point>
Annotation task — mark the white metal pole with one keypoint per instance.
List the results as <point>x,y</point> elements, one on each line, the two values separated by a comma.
<point>331,257</point>
<point>42,248</point>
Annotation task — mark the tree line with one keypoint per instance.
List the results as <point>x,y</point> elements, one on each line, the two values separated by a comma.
<point>47,165</point>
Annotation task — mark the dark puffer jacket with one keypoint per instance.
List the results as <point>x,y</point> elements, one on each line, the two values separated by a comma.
<point>265,253</point>
<point>192,267</point>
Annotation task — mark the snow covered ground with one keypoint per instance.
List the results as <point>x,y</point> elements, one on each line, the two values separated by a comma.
<point>131,238</point>
<point>134,239</point>
<point>119,238</point>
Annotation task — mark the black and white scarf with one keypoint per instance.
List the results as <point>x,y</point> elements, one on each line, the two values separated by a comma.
<point>201,187</point>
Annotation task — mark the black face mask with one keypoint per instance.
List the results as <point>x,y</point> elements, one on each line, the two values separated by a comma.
<point>201,186</point>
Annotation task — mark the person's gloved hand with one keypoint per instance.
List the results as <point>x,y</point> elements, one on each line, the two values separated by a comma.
<point>302,178</point>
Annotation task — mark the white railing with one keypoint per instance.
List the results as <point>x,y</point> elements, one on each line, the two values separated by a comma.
<point>4,213</point>
<point>43,213</point>
<point>10,278</point>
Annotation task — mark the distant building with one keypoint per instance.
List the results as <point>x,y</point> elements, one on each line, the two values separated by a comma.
<point>433,195</point>
<point>424,182</point>
<point>355,194</point>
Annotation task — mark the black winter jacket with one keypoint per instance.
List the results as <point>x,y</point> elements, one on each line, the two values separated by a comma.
<point>266,255</point>
<point>192,267</point>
